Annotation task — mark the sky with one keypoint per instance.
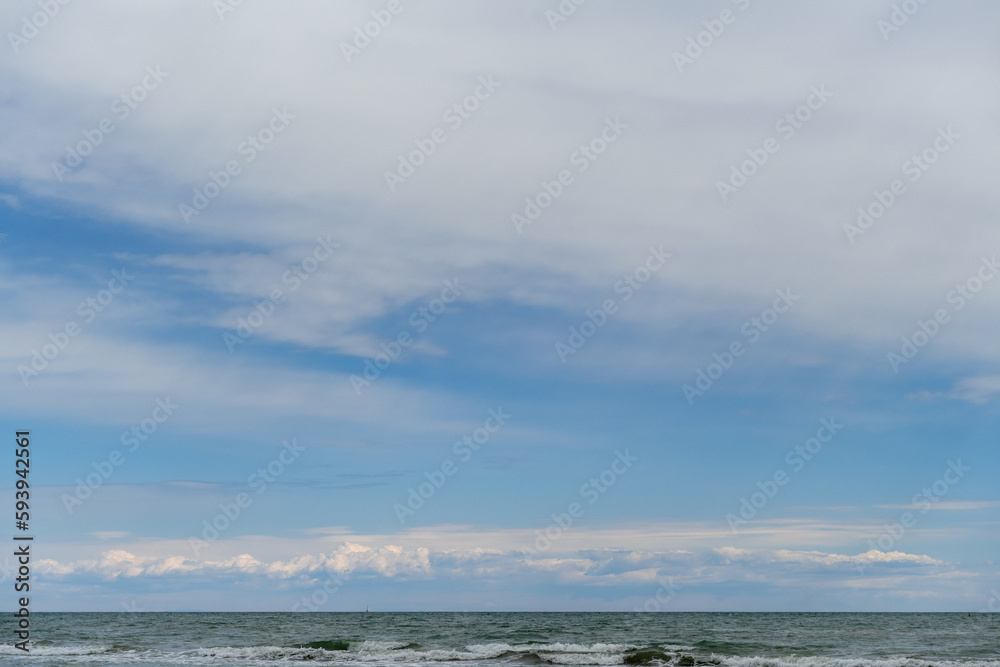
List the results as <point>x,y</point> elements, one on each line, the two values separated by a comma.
<point>503,306</point>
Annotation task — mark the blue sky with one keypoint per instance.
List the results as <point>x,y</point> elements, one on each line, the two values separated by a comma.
<point>609,336</point>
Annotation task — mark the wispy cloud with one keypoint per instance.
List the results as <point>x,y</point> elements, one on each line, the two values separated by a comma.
<point>949,505</point>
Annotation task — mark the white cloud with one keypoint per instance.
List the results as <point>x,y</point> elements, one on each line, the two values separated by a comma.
<point>349,559</point>
<point>979,389</point>
<point>591,567</point>
<point>325,173</point>
<point>949,505</point>
<point>325,176</point>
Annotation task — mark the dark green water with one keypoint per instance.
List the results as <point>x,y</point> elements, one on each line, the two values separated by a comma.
<point>489,639</point>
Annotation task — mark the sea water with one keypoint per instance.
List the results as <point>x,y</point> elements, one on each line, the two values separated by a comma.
<point>492,638</point>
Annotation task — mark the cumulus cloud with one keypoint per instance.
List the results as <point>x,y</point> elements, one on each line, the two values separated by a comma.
<point>349,559</point>
<point>394,562</point>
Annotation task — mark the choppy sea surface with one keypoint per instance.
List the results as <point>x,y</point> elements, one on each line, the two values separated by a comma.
<point>489,639</point>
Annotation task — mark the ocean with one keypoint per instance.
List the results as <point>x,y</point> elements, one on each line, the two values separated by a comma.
<point>497,638</point>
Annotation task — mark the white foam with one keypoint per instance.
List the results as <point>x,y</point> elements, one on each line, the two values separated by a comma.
<point>375,645</point>
<point>413,656</point>
<point>255,652</point>
<point>583,658</point>
<point>490,650</point>
<point>558,647</point>
<point>818,661</point>
<point>390,652</point>
<point>583,648</point>
<point>88,649</point>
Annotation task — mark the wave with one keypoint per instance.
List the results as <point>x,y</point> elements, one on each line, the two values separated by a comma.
<point>648,657</point>
<point>368,652</point>
<point>822,661</point>
<point>326,645</point>
<point>48,648</point>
